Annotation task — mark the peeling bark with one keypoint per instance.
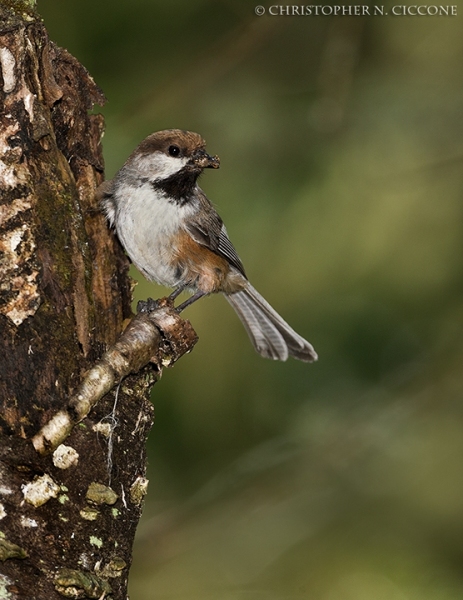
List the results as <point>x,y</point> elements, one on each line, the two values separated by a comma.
<point>67,519</point>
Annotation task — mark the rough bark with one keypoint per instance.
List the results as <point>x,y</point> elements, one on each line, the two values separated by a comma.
<point>67,519</point>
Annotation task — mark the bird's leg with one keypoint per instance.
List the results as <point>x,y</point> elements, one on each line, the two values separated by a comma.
<point>176,293</point>
<point>189,301</point>
<point>146,306</point>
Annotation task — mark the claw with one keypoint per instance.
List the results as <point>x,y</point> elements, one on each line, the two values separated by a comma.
<point>147,306</point>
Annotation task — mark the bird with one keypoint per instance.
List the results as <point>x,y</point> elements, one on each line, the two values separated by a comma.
<point>175,237</point>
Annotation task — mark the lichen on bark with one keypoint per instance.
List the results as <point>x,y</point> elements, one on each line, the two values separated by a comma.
<point>64,294</point>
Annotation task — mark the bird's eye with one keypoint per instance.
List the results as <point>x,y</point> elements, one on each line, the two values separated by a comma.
<point>174,150</point>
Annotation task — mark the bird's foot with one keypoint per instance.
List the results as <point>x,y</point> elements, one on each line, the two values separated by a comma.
<point>147,306</point>
<point>150,305</point>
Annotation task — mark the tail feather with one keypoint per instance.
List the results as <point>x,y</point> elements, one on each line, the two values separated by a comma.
<point>267,340</point>
<point>271,336</point>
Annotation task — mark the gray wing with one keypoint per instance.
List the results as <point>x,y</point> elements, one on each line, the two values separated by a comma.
<point>207,229</point>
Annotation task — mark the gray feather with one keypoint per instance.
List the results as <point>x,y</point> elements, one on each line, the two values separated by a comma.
<point>207,228</point>
<point>271,336</point>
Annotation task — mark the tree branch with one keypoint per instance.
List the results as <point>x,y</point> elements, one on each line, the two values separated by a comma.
<point>159,337</point>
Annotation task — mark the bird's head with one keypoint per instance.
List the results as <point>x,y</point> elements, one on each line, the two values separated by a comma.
<point>171,153</point>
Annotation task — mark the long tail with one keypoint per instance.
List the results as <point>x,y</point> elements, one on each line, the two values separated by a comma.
<point>271,335</point>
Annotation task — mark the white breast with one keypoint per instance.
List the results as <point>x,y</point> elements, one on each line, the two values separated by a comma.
<point>146,223</point>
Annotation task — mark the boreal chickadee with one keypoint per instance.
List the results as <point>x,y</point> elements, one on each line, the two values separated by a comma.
<point>174,236</point>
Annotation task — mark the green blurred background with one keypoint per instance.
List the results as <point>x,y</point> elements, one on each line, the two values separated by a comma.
<point>341,186</point>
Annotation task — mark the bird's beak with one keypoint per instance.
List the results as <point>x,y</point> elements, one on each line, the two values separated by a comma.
<point>204,161</point>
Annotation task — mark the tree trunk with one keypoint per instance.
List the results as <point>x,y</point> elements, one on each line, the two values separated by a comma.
<point>67,519</point>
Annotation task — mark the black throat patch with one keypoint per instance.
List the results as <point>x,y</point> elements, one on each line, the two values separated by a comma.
<point>180,186</point>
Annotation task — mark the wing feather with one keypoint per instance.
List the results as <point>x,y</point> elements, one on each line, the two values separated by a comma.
<point>207,229</point>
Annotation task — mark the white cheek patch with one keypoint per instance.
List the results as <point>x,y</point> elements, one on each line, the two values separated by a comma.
<point>159,165</point>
